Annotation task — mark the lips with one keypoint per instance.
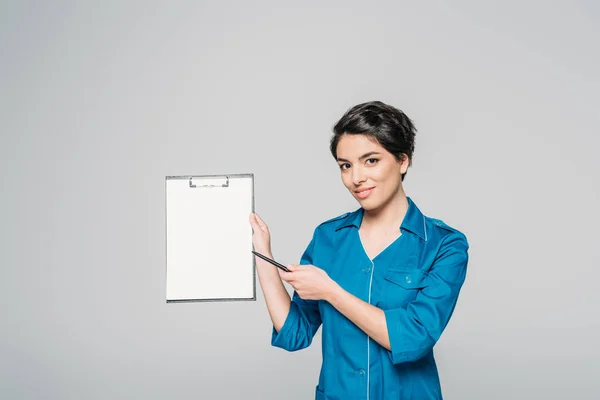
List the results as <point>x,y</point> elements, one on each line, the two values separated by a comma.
<point>363,193</point>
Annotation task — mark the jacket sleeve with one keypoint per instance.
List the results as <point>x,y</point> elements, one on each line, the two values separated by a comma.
<point>303,319</point>
<point>414,330</point>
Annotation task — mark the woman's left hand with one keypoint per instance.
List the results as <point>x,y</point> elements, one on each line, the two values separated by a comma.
<point>310,282</point>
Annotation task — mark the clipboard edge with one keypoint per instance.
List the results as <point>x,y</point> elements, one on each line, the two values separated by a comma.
<point>238,175</point>
<point>210,300</point>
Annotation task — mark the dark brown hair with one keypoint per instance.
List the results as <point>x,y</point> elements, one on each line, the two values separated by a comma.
<point>392,129</point>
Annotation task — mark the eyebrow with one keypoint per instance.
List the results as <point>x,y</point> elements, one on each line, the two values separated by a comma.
<point>361,157</point>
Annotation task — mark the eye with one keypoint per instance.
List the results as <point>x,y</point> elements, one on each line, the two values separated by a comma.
<point>374,161</point>
<point>343,165</point>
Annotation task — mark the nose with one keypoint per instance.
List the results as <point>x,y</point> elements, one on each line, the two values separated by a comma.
<point>358,176</point>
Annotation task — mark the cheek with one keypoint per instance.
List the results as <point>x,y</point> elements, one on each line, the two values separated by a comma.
<point>388,174</point>
<point>379,174</point>
<point>346,180</point>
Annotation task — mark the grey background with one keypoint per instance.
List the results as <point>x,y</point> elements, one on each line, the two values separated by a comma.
<point>100,101</point>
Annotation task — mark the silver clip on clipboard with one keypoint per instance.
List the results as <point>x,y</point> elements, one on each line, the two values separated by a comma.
<point>209,238</point>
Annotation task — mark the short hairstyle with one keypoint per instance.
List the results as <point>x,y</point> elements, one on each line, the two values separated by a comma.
<point>389,126</point>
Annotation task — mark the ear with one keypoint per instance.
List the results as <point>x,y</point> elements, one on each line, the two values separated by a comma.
<point>404,162</point>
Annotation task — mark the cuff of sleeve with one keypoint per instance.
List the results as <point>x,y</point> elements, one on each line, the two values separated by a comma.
<point>403,346</point>
<point>395,336</point>
<point>281,338</point>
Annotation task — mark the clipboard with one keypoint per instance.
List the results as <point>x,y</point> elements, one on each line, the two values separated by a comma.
<point>209,238</point>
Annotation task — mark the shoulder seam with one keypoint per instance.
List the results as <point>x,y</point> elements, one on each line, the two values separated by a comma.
<point>441,224</point>
<point>339,217</point>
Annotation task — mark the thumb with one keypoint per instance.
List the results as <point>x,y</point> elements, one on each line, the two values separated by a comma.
<point>253,222</point>
<point>259,220</point>
<point>292,267</point>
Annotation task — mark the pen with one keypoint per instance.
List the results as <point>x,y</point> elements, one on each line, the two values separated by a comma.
<point>275,263</point>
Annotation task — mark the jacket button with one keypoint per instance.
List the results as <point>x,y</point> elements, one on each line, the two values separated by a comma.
<point>361,371</point>
<point>407,279</point>
<point>366,270</point>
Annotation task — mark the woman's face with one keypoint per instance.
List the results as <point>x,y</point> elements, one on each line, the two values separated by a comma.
<point>369,172</point>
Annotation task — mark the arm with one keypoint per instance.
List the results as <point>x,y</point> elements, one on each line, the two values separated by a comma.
<point>367,317</point>
<point>409,333</point>
<point>303,317</point>
<point>276,296</point>
<point>295,321</point>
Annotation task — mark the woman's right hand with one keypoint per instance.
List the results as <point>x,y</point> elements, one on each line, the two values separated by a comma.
<point>275,294</point>
<point>261,238</point>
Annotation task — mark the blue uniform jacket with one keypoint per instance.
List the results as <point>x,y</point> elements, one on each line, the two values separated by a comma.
<point>415,280</point>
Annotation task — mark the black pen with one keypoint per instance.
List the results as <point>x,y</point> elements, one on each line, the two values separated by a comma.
<point>275,263</point>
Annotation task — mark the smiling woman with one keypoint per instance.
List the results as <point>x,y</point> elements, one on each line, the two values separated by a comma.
<point>383,280</point>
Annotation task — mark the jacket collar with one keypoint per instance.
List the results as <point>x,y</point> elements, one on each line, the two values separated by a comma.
<point>414,220</point>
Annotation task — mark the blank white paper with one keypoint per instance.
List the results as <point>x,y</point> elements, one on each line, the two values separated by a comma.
<point>209,239</point>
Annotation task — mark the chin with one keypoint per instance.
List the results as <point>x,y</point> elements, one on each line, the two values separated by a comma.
<point>369,207</point>
<point>367,204</point>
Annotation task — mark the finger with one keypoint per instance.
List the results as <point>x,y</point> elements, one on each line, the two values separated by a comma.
<point>299,267</point>
<point>261,223</point>
<point>296,269</point>
<point>254,221</point>
<point>286,276</point>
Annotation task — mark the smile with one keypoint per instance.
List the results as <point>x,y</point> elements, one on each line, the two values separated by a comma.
<point>364,193</point>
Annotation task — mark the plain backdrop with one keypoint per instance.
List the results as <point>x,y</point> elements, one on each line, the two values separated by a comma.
<point>99,101</point>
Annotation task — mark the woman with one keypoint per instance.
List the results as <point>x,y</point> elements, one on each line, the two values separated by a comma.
<point>382,280</point>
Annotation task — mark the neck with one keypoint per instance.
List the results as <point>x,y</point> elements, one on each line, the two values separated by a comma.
<point>389,215</point>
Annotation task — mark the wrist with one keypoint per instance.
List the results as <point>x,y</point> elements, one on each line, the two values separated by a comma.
<point>264,252</point>
<point>333,292</point>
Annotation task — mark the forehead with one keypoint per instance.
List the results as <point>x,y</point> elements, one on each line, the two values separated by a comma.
<point>350,146</point>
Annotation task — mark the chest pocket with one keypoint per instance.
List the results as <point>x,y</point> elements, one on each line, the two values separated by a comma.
<point>401,285</point>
